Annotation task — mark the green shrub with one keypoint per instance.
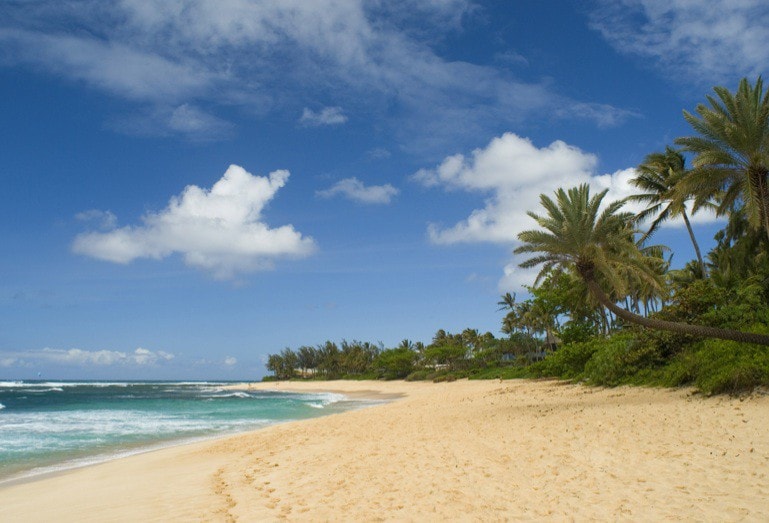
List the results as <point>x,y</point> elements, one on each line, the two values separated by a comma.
<point>503,373</point>
<point>577,332</point>
<point>420,375</point>
<point>362,376</point>
<point>618,359</point>
<point>568,362</point>
<point>720,366</point>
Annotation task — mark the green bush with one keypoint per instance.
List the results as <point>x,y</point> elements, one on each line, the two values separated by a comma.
<point>503,373</point>
<point>718,367</point>
<point>568,362</point>
<point>449,376</point>
<point>577,332</point>
<point>420,375</point>
<point>364,376</point>
<point>620,358</point>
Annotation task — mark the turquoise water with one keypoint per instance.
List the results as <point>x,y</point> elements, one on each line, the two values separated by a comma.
<point>47,426</point>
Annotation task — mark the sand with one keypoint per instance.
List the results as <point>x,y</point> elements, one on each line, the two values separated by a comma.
<point>470,451</point>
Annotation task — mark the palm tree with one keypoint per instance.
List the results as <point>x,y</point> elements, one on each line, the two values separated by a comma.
<point>600,248</point>
<point>406,344</point>
<point>507,302</point>
<point>657,178</point>
<point>731,151</point>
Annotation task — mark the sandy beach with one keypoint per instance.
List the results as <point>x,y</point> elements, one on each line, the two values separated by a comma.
<point>481,450</point>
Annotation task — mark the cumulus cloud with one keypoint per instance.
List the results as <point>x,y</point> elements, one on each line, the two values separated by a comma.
<point>380,57</point>
<point>87,358</point>
<point>511,173</point>
<point>220,230</point>
<point>230,361</point>
<point>711,42</point>
<point>326,116</point>
<point>355,190</point>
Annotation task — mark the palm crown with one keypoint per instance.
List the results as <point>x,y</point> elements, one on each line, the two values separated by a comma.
<point>576,235</point>
<point>731,151</point>
<point>658,180</point>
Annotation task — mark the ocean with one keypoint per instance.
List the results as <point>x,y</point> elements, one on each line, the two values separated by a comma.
<point>48,426</point>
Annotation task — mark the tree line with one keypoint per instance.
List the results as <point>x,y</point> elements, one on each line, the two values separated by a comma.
<point>606,295</point>
<point>445,354</point>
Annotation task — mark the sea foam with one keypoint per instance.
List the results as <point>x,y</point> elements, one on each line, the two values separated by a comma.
<point>51,423</point>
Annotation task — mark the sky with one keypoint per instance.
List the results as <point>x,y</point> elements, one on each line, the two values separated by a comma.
<point>192,185</point>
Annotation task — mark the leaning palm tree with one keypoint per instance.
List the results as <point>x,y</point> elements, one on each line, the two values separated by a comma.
<point>599,247</point>
<point>657,177</point>
<point>731,151</point>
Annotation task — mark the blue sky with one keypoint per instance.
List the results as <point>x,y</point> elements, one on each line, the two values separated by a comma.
<point>191,185</point>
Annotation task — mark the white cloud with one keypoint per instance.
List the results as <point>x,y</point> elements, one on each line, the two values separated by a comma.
<point>379,57</point>
<point>220,230</point>
<point>515,278</point>
<point>189,121</point>
<point>89,358</point>
<point>192,121</point>
<point>710,42</point>
<point>513,173</point>
<point>353,189</point>
<point>115,67</point>
<point>230,361</point>
<point>326,116</point>
<point>378,153</point>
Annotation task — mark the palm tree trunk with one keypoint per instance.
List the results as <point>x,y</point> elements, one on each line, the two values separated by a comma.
<point>765,204</point>
<point>604,320</point>
<point>695,244</point>
<point>757,177</point>
<point>702,331</point>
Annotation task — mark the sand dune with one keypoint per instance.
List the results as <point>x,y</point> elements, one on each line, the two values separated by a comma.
<point>485,451</point>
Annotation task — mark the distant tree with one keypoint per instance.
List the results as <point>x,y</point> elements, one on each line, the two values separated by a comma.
<point>290,362</point>
<point>354,357</point>
<point>282,365</point>
<point>395,363</point>
<point>507,303</point>
<point>329,363</point>
<point>307,358</point>
<point>406,344</point>
<point>275,365</point>
<point>657,179</point>
<point>453,355</point>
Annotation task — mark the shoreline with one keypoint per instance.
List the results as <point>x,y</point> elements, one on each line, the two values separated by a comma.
<point>350,389</point>
<point>463,450</point>
<point>59,468</point>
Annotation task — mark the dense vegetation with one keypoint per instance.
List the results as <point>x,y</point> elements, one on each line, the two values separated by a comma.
<point>606,307</point>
